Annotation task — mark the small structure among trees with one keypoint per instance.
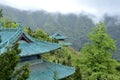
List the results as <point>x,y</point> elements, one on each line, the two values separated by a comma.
<point>61,39</point>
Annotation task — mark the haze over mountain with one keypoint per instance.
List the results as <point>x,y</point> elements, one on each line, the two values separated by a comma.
<point>74,26</point>
<point>94,7</point>
<point>67,24</point>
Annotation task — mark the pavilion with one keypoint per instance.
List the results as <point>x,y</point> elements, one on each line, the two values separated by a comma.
<point>31,51</point>
<point>61,39</point>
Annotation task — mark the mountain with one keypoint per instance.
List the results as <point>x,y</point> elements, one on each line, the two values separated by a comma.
<point>75,27</point>
<point>113,28</point>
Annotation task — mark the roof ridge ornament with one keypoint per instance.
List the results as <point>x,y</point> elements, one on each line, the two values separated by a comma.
<point>20,25</point>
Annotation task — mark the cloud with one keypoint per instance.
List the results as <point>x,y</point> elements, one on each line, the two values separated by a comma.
<point>103,6</point>
<point>96,7</point>
<point>64,6</point>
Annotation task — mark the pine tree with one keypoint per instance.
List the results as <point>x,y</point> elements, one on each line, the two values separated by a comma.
<point>97,63</point>
<point>9,69</point>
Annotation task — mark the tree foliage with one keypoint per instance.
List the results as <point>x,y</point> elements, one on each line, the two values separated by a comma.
<point>9,69</point>
<point>97,63</point>
<point>9,24</point>
<point>113,26</point>
<point>1,15</point>
<point>39,34</point>
<point>66,56</point>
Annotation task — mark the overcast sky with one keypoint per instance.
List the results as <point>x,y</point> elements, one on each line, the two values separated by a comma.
<point>96,7</point>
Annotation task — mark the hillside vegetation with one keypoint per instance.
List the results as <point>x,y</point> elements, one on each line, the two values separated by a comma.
<point>75,27</point>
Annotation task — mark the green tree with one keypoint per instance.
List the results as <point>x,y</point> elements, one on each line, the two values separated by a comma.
<point>7,23</point>
<point>97,63</point>
<point>29,31</point>
<point>40,35</point>
<point>66,56</point>
<point>1,15</point>
<point>9,69</point>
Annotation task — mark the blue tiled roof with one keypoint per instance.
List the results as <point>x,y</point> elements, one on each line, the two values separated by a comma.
<point>58,36</point>
<point>40,70</point>
<point>6,34</point>
<point>46,70</point>
<point>37,47</point>
<point>9,36</point>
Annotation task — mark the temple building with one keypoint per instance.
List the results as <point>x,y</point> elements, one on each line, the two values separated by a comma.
<point>31,51</point>
<point>61,39</point>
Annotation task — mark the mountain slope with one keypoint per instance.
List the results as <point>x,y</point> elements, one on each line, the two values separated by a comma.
<point>75,27</point>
